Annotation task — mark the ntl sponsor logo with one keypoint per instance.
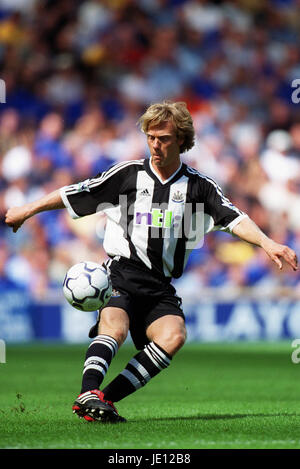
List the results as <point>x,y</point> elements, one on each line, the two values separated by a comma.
<point>156,217</point>
<point>2,351</point>
<point>183,221</point>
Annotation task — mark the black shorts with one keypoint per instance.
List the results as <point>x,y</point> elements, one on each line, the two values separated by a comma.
<point>143,296</point>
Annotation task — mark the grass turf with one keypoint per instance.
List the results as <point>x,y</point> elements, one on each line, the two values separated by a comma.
<point>242,395</point>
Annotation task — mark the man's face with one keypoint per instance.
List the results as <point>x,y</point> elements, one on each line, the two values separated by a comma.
<point>163,144</point>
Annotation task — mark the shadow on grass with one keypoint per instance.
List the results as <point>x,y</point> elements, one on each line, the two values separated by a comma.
<point>223,416</point>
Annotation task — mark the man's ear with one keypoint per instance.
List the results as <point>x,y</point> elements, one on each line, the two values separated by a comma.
<point>180,141</point>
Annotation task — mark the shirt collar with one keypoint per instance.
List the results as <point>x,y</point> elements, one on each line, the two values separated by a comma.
<point>164,181</point>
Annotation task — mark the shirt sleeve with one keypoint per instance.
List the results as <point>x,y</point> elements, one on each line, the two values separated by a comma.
<point>93,195</point>
<point>224,214</point>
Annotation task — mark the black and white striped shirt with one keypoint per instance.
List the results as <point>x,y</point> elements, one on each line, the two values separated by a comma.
<point>153,222</point>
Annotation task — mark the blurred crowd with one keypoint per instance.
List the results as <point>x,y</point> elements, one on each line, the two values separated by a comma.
<point>79,73</point>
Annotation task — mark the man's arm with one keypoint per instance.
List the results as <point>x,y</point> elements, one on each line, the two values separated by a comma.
<point>16,216</point>
<point>249,231</point>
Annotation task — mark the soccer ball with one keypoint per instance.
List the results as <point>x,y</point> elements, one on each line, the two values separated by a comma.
<point>87,286</point>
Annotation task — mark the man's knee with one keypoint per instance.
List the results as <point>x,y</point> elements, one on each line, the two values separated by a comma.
<point>172,342</point>
<point>179,339</point>
<point>168,332</point>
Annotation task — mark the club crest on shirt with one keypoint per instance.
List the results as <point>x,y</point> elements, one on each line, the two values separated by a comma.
<point>178,197</point>
<point>115,293</point>
<point>83,186</point>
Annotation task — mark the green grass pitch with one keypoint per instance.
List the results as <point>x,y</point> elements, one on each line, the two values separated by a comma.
<point>213,396</point>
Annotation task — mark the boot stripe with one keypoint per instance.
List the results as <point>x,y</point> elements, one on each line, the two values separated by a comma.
<point>83,400</point>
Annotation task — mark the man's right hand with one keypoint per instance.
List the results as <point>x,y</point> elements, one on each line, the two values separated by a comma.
<point>16,216</point>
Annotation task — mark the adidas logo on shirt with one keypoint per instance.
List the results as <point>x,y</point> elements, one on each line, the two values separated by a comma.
<point>145,192</point>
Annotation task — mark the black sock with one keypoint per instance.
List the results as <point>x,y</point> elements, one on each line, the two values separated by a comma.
<point>97,360</point>
<point>141,368</point>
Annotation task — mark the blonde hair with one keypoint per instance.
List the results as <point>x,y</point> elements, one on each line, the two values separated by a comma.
<point>169,111</point>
